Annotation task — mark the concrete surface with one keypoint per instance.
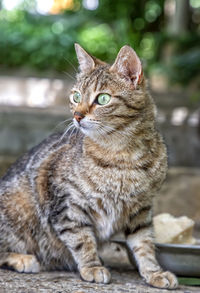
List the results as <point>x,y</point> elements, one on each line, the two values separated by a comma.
<point>125,278</point>
<point>126,281</point>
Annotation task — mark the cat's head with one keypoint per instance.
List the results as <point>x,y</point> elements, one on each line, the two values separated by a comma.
<point>107,99</point>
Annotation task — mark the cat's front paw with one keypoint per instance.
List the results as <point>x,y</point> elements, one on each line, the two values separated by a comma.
<point>95,274</point>
<point>23,263</point>
<point>164,280</point>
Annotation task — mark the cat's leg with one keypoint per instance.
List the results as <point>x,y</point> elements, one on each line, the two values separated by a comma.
<point>82,245</point>
<point>140,241</point>
<point>74,229</point>
<point>22,263</point>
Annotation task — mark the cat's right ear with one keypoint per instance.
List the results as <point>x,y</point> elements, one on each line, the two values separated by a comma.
<point>128,65</point>
<point>86,61</point>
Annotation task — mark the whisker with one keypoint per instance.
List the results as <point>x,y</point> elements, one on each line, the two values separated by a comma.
<point>61,123</point>
<point>72,131</point>
<point>105,129</point>
<point>69,75</point>
<point>72,65</point>
<point>77,131</point>
<point>70,127</point>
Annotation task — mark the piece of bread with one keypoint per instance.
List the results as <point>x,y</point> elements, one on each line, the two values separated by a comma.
<point>169,229</point>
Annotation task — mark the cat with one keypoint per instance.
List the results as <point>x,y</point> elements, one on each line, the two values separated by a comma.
<point>72,192</point>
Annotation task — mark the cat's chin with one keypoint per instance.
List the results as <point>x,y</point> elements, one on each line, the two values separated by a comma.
<point>91,133</point>
<point>85,131</point>
<point>88,132</point>
<point>86,128</point>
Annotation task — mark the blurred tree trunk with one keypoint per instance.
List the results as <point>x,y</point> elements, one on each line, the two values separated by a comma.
<point>177,15</point>
<point>180,19</point>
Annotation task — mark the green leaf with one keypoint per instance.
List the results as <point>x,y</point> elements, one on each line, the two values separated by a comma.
<point>189,281</point>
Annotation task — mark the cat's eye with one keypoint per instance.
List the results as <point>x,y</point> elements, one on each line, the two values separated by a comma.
<point>77,97</point>
<point>103,99</point>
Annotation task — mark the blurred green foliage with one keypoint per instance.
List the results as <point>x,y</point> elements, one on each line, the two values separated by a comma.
<point>47,42</point>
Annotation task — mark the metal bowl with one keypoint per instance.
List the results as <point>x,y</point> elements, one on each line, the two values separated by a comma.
<point>181,259</point>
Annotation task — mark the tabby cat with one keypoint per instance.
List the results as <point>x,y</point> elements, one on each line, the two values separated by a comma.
<point>72,192</point>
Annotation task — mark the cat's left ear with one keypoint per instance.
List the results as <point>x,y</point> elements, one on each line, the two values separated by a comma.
<point>86,62</point>
<point>128,65</point>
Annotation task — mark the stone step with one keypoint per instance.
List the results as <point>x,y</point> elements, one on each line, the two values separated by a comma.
<point>22,127</point>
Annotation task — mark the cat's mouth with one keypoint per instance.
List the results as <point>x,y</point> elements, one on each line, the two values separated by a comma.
<point>92,128</point>
<point>84,125</point>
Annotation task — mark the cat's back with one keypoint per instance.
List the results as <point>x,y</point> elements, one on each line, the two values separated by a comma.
<point>35,157</point>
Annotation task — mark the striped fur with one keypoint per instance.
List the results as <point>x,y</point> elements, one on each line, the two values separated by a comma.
<point>71,192</point>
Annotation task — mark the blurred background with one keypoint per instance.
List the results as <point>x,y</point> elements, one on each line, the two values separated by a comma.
<point>38,67</point>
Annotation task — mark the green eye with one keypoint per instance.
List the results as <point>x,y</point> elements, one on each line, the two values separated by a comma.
<point>77,97</point>
<point>103,99</point>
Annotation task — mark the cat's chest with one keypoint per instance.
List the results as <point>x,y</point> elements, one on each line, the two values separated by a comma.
<point>114,198</point>
<point>111,214</point>
<point>115,182</point>
<point>112,175</point>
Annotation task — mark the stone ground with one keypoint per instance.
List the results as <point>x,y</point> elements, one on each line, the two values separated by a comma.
<point>123,281</point>
<point>125,278</point>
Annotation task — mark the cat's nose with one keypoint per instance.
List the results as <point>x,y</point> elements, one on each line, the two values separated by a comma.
<point>78,116</point>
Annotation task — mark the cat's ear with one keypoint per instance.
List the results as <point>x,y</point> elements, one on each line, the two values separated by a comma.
<point>128,65</point>
<point>86,61</point>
